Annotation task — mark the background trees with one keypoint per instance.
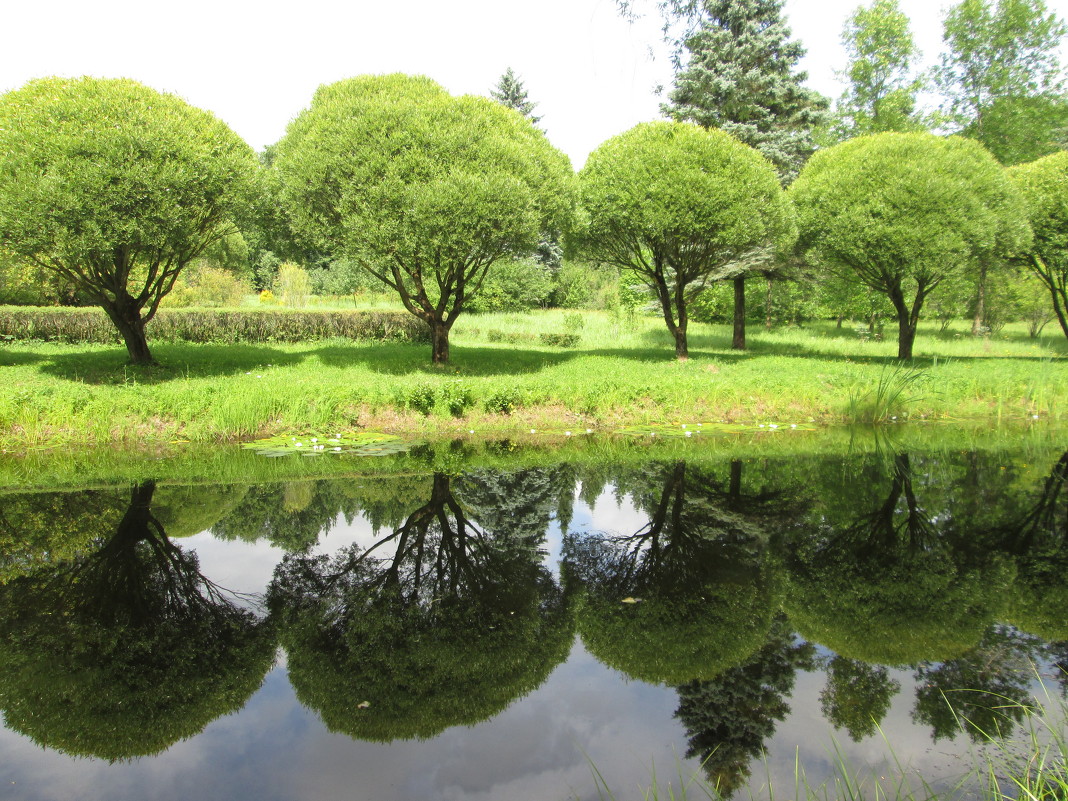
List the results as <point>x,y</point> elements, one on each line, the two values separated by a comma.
<point>424,190</point>
<point>1000,68</point>
<point>902,213</point>
<point>116,188</point>
<point>674,203</point>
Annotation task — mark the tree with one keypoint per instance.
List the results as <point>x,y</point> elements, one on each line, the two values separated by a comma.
<point>997,54</point>
<point>424,190</point>
<point>882,89</point>
<point>511,93</point>
<point>903,213</point>
<point>674,204</point>
<point>741,77</point>
<point>116,188</point>
<point>1043,185</point>
<point>857,696</point>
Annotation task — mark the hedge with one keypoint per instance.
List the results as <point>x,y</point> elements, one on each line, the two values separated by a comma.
<point>212,325</point>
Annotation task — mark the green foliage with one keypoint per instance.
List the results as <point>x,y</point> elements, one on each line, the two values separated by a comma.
<point>205,286</point>
<point>503,400</point>
<point>741,76</point>
<point>653,191</point>
<point>904,213</point>
<point>857,696</point>
<point>292,285</point>
<point>116,188</point>
<point>515,285</point>
<point>397,175</point>
<point>200,325</point>
<point>511,93</point>
<point>1001,59</point>
<point>882,91</point>
<point>1043,186</point>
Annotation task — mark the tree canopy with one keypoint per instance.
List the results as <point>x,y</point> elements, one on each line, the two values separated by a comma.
<point>424,190</point>
<point>903,213</point>
<point>116,187</point>
<point>675,203</point>
<point>1044,186</point>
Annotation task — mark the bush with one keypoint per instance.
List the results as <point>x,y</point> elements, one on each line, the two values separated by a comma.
<point>515,285</point>
<point>503,400</point>
<point>210,325</point>
<point>559,340</point>
<point>293,285</point>
<point>456,398</point>
<point>420,398</point>
<point>205,286</point>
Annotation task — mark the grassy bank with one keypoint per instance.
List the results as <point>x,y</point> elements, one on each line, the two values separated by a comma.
<point>620,372</point>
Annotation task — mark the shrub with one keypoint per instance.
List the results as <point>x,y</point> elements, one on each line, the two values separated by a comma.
<point>456,398</point>
<point>214,325</point>
<point>559,340</point>
<point>420,398</point>
<point>503,400</point>
<point>293,285</point>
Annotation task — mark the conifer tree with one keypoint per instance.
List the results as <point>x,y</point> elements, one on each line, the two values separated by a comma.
<point>741,76</point>
<point>510,92</point>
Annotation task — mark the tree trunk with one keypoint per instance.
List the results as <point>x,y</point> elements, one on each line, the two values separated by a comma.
<point>767,306</point>
<point>906,329</point>
<point>682,351</point>
<point>980,302</point>
<point>738,343</point>
<point>439,339</point>
<point>127,318</point>
<point>839,323</point>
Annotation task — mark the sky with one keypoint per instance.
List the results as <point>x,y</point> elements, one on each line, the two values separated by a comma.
<point>256,65</point>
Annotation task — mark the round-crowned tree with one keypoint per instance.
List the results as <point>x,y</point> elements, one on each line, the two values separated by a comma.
<point>116,187</point>
<point>675,203</point>
<point>1044,184</point>
<point>424,190</point>
<point>905,213</point>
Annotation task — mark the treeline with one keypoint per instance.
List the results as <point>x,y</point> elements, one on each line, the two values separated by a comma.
<point>115,195</point>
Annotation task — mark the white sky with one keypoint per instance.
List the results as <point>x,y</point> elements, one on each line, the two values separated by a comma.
<point>256,65</point>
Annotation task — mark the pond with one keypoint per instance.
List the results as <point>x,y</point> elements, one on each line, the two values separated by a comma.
<point>481,620</point>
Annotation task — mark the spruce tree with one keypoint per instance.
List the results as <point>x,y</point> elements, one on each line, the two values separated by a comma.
<point>510,92</point>
<point>741,76</point>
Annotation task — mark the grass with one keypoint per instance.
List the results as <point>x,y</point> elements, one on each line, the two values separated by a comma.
<point>621,372</point>
<point>1032,769</point>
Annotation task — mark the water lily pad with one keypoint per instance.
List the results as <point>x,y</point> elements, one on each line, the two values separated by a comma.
<point>364,443</point>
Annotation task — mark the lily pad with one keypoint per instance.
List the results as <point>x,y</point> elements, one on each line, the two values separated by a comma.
<point>364,443</point>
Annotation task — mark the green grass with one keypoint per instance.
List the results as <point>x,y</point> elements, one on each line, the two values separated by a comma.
<point>1034,768</point>
<point>622,372</point>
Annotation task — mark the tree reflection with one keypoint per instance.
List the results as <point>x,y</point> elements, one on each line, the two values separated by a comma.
<point>691,592</point>
<point>857,696</point>
<point>728,719</point>
<point>1039,542</point>
<point>448,629</point>
<point>985,692</point>
<point>890,587</point>
<point>124,649</point>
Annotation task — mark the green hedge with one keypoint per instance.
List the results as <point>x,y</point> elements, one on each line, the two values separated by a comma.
<point>212,325</point>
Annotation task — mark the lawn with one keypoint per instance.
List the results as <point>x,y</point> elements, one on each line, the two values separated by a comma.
<point>503,377</point>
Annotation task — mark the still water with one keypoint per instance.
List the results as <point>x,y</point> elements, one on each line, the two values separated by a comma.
<point>511,627</point>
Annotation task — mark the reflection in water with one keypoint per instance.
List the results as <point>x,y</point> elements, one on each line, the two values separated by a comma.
<point>920,583</point>
<point>448,629</point>
<point>892,585</point>
<point>728,719</point>
<point>688,594</point>
<point>126,648</point>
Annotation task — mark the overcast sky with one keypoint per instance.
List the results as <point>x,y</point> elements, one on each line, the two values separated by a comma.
<point>256,65</point>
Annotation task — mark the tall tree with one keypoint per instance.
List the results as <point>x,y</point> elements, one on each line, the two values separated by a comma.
<point>998,53</point>
<point>881,95</point>
<point>511,93</point>
<point>116,187</point>
<point>903,213</point>
<point>741,76</point>
<point>676,205</point>
<point>424,190</point>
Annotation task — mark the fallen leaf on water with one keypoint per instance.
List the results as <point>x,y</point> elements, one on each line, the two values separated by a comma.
<point>363,705</point>
<point>631,600</point>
